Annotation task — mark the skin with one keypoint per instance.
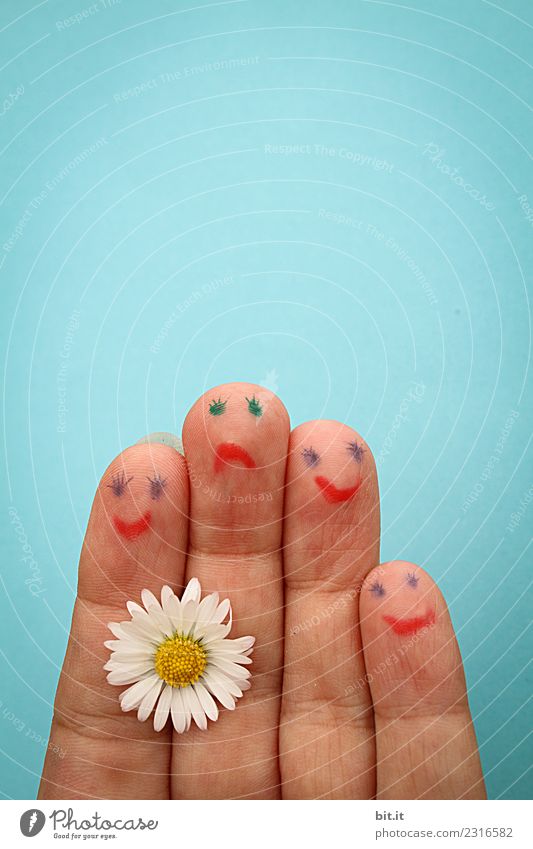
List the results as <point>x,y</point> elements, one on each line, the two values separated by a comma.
<point>356,692</point>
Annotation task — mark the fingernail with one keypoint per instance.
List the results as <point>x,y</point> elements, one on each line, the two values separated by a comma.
<point>164,439</point>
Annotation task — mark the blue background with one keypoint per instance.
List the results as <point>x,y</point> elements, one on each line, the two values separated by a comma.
<point>322,197</point>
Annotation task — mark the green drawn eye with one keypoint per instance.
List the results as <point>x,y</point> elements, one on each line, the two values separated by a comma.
<point>254,407</point>
<point>216,408</point>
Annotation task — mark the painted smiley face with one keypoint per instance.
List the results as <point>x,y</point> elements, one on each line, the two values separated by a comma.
<point>331,493</point>
<point>134,529</point>
<point>229,453</point>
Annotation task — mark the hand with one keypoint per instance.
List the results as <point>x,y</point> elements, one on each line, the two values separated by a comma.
<point>358,689</point>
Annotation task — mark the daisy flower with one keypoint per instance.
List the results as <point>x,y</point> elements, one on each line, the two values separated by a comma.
<point>176,655</point>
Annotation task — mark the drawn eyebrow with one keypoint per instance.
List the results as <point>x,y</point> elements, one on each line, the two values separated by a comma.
<point>157,485</point>
<point>119,484</point>
<point>356,451</point>
<point>216,408</point>
<point>310,457</point>
<point>377,589</point>
<point>254,406</point>
<point>412,579</point>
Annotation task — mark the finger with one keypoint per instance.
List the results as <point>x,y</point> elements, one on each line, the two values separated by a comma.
<point>136,539</point>
<point>235,440</point>
<point>426,744</point>
<point>331,540</point>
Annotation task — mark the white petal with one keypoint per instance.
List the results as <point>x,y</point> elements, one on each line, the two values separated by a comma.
<point>230,657</point>
<point>132,697</point>
<point>117,629</point>
<point>147,705</point>
<point>206,700</point>
<point>211,633</point>
<point>188,612</point>
<point>128,655</point>
<point>143,630</point>
<point>187,708</point>
<point>163,708</point>
<point>242,643</point>
<point>207,607</point>
<point>219,691</point>
<point>162,622</point>
<point>127,675</point>
<point>166,594</point>
<point>232,670</point>
<point>229,684</point>
<point>133,607</point>
<point>221,612</point>
<point>150,622</point>
<point>192,592</point>
<point>197,710</point>
<point>179,714</point>
<point>149,600</point>
<point>173,612</point>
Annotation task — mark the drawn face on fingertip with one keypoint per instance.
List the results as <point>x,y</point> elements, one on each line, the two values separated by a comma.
<point>231,453</point>
<point>119,486</point>
<point>330,492</point>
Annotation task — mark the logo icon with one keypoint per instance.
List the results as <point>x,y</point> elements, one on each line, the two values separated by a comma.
<point>32,822</point>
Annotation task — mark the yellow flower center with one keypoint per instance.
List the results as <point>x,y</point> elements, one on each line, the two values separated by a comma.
<point>180,661</point>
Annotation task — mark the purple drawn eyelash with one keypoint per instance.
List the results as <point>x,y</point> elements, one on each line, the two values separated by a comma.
<point>157,485</point>
<point>377,589</point>
<point>310,456</point>
<point>356,451</point>
<point>119,484</point>
<point>412,580</point>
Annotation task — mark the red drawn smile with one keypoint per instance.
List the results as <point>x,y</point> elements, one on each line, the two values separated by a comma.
<point>332,494</point>
<point>410,626</point>
<point>132,530</point>
<point>229,452</point>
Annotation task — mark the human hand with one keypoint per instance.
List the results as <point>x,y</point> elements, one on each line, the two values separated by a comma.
<point>358,688</point>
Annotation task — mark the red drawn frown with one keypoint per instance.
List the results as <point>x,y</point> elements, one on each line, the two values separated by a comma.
<point>412,625</point>
<point>230,453</point>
